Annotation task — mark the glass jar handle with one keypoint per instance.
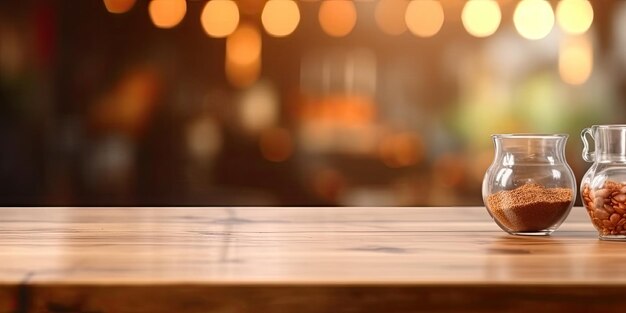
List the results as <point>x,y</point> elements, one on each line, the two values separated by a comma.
<point>587,156</point>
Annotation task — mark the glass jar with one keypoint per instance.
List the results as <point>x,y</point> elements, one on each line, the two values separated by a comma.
<point>603,188</point>
<point>529,188</point>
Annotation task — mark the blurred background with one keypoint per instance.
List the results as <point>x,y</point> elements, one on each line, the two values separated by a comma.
<point>281,102</point>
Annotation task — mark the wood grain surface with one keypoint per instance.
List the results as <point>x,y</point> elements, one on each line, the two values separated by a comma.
<point>299,260</point>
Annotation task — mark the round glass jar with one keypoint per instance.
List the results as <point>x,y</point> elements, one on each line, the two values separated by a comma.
<point>603,188</point>
<point>529,188</point>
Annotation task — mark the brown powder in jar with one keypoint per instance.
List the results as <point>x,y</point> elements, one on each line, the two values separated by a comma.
<point>531,207</point>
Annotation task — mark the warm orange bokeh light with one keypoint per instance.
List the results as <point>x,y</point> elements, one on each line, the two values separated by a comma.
<point>576,60</point>
<point>220,18</point>
<point>389,16</point>
<point>574,16</point>
<point>424,18</point>
<point>533,19</point>
<point>167,13</point>
<point>119,6</point>
<point>127,107</point>
<point>276,144</point>
<point>337,17</point>
<point>243,56</point>
<point>244,45</point>
<point>401,150</point>
<point>481,18</point>
<point>346,110</point>
<point>280,17</point>
<point>242,75</point>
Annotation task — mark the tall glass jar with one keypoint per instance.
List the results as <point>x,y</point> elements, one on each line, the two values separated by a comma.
<point>529,188</point>
<point>603,188</point>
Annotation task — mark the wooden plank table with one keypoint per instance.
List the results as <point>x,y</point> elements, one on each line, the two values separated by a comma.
<point>300,260</point>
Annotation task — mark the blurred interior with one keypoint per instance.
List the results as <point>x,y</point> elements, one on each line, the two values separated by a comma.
<point>281,102</point>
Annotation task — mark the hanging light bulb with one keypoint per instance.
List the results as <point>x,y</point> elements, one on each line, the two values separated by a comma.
<point>280,17</point>
<point>219,18</point>
<point>533,19</point>
<point>574,16</point>
<point>243,56</point>
<point>389,16</point>
<point>424,18</point>
<point>167,13</point>
<point>119,6</point>
<point>337,17</point>
<point>481,18</point>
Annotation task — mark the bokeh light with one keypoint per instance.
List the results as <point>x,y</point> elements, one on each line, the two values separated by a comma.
<point>220,18</point>
<point>243,46</point>
<point>389,16</point>
<point>243,75</point>
<point>533,19</point>
<point>13,54</point>
<point>481,18</point>
<point>276,144</point>
<point>424,18</point>
<point>574,16</point>
<point>203,138</point>
<point>280,17</point>
<point>401,150</point>
<point>119,6</point>
<point>127,107</point>
<point>243,56</point>
<point>337,17</point>
<point>258,107</point>
<point>576,60</point>
<point>167,13</point>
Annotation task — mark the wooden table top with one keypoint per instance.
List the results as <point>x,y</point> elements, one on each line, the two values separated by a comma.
<point>56,252</point>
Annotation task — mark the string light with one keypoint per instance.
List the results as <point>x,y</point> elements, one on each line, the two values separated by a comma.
<point>481,18</point>
<point>244,45</point>
<point>220,18</point>
<point>574,16</point>
<point>533,19</point>
<point>167,13</point>
<point>119,6</point>
<point>424,18</point>
<point>243,56</point>
<point>389,16</point>
<point>337,17</point>
<point>280,17</point>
